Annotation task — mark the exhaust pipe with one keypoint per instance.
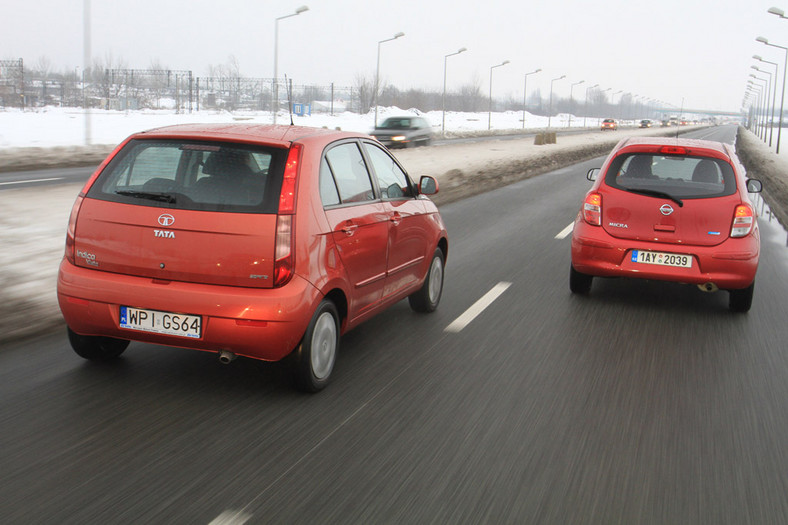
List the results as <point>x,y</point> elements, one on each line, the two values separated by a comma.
<point>226,357</point>
<point>708,287</point>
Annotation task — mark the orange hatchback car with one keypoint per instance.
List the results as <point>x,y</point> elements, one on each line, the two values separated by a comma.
<point>261,241</point>
<point>669,209</point>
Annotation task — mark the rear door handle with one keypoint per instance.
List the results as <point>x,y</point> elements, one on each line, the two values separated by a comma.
<point>396,219</point>
<point>349,229</point>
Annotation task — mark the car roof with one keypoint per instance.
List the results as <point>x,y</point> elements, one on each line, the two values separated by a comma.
<point>278,135</point>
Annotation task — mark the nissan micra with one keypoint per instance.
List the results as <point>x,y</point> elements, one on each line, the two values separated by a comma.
<point>267,242</point>
<point>672,210</point>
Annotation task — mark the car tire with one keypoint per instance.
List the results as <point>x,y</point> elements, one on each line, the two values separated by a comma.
<point>426,299</point>
<point>315,357</point>
<point>741,300</point>
<point>96,348</point>
<point>579,283</point>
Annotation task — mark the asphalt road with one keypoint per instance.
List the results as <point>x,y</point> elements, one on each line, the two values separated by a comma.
<point>640,403</point>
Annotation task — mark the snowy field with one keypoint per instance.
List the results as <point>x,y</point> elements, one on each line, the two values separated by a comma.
<point>51,126</point>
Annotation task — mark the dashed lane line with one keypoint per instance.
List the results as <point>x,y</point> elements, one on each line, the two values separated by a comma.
<point>478,307</point>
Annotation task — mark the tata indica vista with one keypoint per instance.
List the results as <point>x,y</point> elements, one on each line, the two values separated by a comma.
<point>247,240</point>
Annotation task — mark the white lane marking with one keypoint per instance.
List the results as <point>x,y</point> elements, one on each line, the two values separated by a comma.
<point>477,308</point>
<point>26,181</point>
<point>566,231</point>
<point>231,517</point>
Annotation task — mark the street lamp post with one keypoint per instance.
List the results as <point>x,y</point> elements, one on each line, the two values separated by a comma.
<point>766,99</point>
<point>550,110</point>
<point>377,73</point>
<point>764,91</point>
<point>275,90</point>
<point>758,90</point>
<point>85,65</point>
<point>489,110</point>
<point>585,104</point>
<point>774,95</point>
<point>525,92</point>
<point>443,100</point>
<point>782,97</point>
<point>572,101</point>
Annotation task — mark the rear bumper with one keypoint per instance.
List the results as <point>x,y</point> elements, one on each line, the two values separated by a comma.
<point>263,324</point>
<point>730,265</point>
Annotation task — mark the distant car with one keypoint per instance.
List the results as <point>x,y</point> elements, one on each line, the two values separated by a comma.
<point>669,209</point>
<point>260,241</point>
<point>609,124</point>
<point>403,132</point>
<point>645,123</point>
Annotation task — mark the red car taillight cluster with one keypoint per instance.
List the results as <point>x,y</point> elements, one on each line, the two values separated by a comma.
<point>592,209</point>
<point>72,229</point>
<point>743,219</point>
<point>283,256</point>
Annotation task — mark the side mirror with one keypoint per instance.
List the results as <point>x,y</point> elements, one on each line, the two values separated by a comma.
<point>592,174</point>
<point>754,186</point>
<point>428,185</point>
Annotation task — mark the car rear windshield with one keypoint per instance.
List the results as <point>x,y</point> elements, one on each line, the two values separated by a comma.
<point>192,175</point>
<point>680,176</point>
<point>397,123</point>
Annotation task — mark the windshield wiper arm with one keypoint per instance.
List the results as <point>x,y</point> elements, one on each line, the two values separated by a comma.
<point>161,197</point>
<point>655,193</point>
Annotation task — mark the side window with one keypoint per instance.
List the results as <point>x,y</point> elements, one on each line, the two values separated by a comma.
<point>350,173</point>
<point>392,180</point>
<point>328,188</point>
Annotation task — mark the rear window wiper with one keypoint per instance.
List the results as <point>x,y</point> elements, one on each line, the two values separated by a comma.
<point>655,193</point>
<point>160,197</point>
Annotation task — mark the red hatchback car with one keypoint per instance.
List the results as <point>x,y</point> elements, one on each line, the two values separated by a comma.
<point>673,210</point>
<point>251,240</point>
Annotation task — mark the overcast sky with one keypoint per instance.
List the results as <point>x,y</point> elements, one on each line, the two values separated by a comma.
<point>698,51</point>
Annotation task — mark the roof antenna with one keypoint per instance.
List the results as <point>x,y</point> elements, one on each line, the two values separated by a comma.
<point>681,117</point>
<point>290,97</point>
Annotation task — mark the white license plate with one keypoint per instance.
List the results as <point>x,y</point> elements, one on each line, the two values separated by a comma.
<point>156,322</point>
<point>662,259</point>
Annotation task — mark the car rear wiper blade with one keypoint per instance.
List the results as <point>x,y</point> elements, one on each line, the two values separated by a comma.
<point>160,197</point>
<point>655,193</point>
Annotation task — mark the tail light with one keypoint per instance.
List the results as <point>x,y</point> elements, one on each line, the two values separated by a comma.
<point>283,255</point>
<point>287,197</point>
<point>284,260</point>
<point>72,229</point>
<point>592,209</point>
<point>743,219</point>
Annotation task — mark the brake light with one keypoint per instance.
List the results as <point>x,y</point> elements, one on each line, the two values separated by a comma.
<point>283,253</point>
<point>592,209</point>
<point>674,150</point>
<point>72,229</point>
<point>287,196</point>
<point>742,221</point>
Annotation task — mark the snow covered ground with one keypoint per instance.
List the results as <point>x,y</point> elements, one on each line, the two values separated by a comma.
<point>51,126</point>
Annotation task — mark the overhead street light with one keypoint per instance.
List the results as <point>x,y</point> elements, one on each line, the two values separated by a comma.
<point>768,91</point>
<point>782,97</point>
<point>572,101</point>
<point>525,92</point>
<point>377,74</point>
<point>774,94</point>
<point>443,100</point>
<point>275,93</point>
<point>776,11</point>
<point>550,110</point>
<point>489,110</point>
<point>764,101</point>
